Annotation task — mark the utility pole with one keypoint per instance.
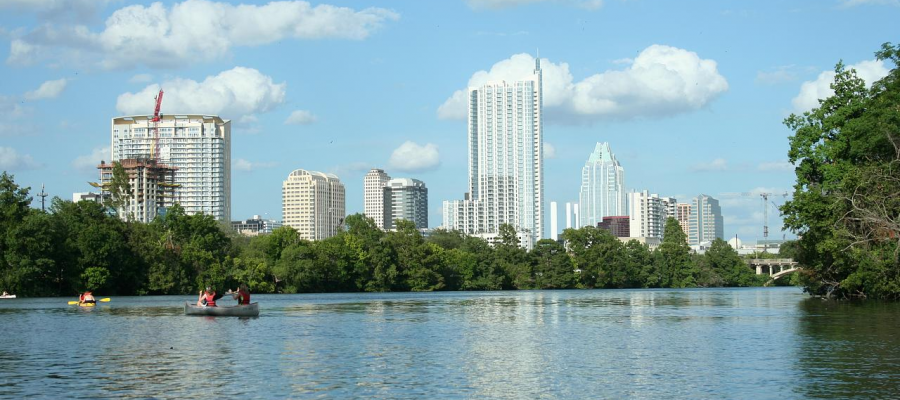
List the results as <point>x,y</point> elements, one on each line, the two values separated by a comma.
<point>43,196</point>
<point>765,197</point>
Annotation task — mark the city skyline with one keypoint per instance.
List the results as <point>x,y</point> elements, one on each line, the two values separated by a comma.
<point>382,85</point>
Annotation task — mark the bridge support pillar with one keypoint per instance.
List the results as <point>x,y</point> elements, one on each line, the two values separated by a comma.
<point>759,269</point>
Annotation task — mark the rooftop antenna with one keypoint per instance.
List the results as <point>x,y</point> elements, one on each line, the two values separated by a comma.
<point>43,196</point>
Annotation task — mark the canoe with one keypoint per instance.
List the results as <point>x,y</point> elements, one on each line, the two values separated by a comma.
<point>7,296</point>
<point>249,310</point>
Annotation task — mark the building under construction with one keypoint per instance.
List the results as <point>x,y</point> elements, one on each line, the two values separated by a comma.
<point>152,188</point>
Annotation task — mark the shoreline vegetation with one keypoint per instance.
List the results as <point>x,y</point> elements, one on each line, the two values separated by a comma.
<point>845,210</point>
<point>77,246</point>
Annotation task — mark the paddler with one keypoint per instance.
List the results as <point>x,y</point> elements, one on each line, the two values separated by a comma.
<point>86,298</point>
<point>242,295</point>
<point>208,298</point>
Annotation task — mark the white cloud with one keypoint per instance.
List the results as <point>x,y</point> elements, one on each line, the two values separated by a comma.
<point>660,81</point>
<point>141,78</point>
<point>47,90</point>
<point>777,166</point>
<point>300,117</point>
<point>232,94</point>
<point>89,163</point>
<point>11,160</point>
<point>411,157</point>
<point>811,91</point>
<point>718,164</point>
<point>241,164</point>
<point>192,31</point>
<point>549,151</point>
<point>501,4</point>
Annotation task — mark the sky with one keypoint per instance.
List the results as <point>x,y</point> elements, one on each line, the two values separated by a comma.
<point>690,95</point>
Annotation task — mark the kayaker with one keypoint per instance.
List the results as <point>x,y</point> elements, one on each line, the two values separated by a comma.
<point>87,298</point>
<point>242,294</point>
<point>208,297</point>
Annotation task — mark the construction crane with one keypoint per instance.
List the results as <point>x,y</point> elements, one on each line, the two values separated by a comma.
<point>154,123</point>
<point>765,197</point>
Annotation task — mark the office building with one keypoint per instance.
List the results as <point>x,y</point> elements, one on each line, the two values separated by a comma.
<point>683,215</point>
<point>87,196</point>
<point>407,199</point>
<point>602,187</point>
<point>152,189</point>
<point>373,194</point>
<point>619,226</point>
<point>255,226</point>
<point>199,146</point>
<point>313,203</point>
<point>706,223</point>
<point>505,148</point>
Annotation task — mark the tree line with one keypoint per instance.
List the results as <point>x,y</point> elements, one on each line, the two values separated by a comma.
<point>78,246</point>
<point>846,203</point>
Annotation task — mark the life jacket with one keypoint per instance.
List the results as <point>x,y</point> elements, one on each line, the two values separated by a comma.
<point>210,299</point>
<point>243,297</point>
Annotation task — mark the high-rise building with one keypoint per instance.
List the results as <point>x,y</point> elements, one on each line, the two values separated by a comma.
<point>602,187</point>
<point>313,204</point>
<point>568,215</point>
<point>554,226</point>
<point>505,158</point>
<point>683,215</point>
<point>619,226</point>
<point>152,188</point>
<point>373,193</point>
<point>706,222</point>
<point>407,199</point>
<point>648,214</point>
<point>199,146</point>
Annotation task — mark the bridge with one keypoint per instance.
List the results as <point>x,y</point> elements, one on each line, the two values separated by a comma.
<point>774,267</point>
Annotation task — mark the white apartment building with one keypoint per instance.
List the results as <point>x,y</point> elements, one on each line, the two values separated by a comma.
<point>373,193</point>
<point>313,203</point>
<point>602,191</point>
<point>648,214</point>
<point>199,146</point>
<point>505,139</point>
<point>706,222</point>
<point>407,199</point>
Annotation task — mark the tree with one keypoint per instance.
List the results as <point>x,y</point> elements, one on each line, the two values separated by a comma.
<point>677,269</point>
<point>552,266</point>
<point>120,191</point>
<point>725,262</point>
<point>845,206</point>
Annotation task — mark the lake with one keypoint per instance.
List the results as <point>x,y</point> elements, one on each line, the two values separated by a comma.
<point>754,343</point>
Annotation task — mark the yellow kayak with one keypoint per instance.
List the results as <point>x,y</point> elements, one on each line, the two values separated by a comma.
<point>86,304</point>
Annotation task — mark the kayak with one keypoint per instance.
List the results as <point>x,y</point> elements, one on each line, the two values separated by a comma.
<point>7,296</point>
<point>86,304</point>
<point>249,310</point>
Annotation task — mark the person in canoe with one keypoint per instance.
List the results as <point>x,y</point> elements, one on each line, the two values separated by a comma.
<point>86,298</point>
<point>242,295</point>
<point>208,298</point>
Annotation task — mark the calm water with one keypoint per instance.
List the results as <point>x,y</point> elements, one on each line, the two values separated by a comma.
<point>724,343</point>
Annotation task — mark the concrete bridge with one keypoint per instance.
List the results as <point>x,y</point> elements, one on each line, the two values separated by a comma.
<point>774,267</point>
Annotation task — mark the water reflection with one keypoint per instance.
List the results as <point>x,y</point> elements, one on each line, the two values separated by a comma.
<point>722,343</point>
<point>849,349</point>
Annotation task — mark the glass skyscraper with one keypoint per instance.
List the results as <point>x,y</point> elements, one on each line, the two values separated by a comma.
<point>706,222</point>
<point>602,191</point>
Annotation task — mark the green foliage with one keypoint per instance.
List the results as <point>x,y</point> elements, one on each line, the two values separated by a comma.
<point>676,268</point>
<point>847,196</point>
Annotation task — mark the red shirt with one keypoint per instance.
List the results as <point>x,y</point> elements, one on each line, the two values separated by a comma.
<point>243,297</point>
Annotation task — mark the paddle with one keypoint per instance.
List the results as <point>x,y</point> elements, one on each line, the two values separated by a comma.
<point>105,300</point>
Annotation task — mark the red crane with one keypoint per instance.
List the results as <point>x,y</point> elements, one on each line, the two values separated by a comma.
<point>154,154</point>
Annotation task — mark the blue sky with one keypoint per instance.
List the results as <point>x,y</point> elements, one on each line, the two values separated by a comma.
<point>690,94</point>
